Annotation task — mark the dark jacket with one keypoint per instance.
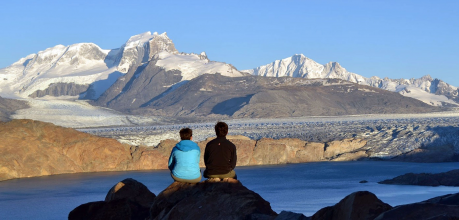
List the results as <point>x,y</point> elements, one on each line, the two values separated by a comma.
<point>220,156</point>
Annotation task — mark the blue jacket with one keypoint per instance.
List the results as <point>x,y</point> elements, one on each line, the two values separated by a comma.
<point>184,160</point>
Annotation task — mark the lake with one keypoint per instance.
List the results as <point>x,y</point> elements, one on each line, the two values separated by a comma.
<point>303,188</point>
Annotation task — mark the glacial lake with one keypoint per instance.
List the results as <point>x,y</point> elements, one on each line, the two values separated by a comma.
<point>303,188</point>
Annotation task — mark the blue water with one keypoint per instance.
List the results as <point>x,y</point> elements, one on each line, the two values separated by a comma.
<point>302,188</point>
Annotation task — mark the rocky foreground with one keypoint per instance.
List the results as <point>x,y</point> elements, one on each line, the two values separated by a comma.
<point>32,148</point>
<point>229,199</point>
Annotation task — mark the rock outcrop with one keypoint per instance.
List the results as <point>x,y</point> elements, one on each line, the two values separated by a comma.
<point>450,178</point>
<point>439,208</point>
<point>211,199</point>
<point>229,199</point>
<point>32,148</point>
<point>209,95</point>
<point>362,205</point>
<point>128,199</point>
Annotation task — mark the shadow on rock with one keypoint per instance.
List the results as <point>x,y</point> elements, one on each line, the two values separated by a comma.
<point>129,199</point>
<point>211,199</point>
<point>362,205</point>
<point>439,208</point>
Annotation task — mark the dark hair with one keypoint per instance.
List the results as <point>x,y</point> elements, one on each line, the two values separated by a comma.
<point>186,133</point>
<point>221,129</point>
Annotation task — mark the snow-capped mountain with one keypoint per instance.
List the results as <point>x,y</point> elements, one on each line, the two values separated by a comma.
<point>87,71</point>
<point>79,63</point>
<point>431,91</point>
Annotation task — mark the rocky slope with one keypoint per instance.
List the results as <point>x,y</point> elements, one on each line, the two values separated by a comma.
<point>431,91</point>
<point>32,148</point>
<point>261,97</point>
<point>229,199</point>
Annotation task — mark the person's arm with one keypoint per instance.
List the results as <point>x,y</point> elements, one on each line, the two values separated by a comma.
<point>206,154</point>
<point>233,157</point>
<point>171,160</point>
<point>198,157</point>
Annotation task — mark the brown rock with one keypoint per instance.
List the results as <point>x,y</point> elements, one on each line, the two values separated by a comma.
<point>362,205</point>
<point>32,148</point>
<point>270,151</point>
<point>312,152</point>
<point>227,199</point>
<point>154,158</point>
<point>351,156</point>
<point>334,148</point>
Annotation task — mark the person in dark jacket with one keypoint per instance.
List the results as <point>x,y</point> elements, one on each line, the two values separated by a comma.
<point>184,159</point>
<point>220,155</point>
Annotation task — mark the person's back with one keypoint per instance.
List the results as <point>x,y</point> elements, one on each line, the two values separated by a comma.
<point>220,155</point>
<point>184,159</point>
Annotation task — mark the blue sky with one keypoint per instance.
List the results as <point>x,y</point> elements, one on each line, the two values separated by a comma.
<point>390,38</point>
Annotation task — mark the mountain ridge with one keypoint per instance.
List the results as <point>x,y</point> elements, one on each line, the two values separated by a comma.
<point>147,70</point>
<point>300,66</point>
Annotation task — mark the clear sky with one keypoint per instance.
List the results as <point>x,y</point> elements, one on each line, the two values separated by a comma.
<point>390,38</point>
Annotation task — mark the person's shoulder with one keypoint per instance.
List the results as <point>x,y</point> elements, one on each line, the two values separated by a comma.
<point>211,141</point>
<point>227,140</point>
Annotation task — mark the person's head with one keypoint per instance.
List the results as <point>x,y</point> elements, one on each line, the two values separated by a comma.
<point>186,134</point>
<point>221,129</point>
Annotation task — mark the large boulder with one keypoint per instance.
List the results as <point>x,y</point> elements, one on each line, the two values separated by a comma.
<point>101,210</point>
<point>362,205</point>
<point>211,199</point>
<point>439,208</point>
<point>450,178</point>
<point>132,190</point>
<point>127,200</point>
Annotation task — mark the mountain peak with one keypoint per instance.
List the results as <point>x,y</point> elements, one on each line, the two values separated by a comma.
<point>142,48</point>
<point>427,78</point>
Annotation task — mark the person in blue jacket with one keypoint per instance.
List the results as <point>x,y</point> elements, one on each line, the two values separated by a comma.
<point>184,159</point>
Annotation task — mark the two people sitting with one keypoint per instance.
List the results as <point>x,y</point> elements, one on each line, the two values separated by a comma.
<point>219,157</point>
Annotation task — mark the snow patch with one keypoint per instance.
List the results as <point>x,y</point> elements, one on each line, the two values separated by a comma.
<point>192,66</point>
<point>422,95</point>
